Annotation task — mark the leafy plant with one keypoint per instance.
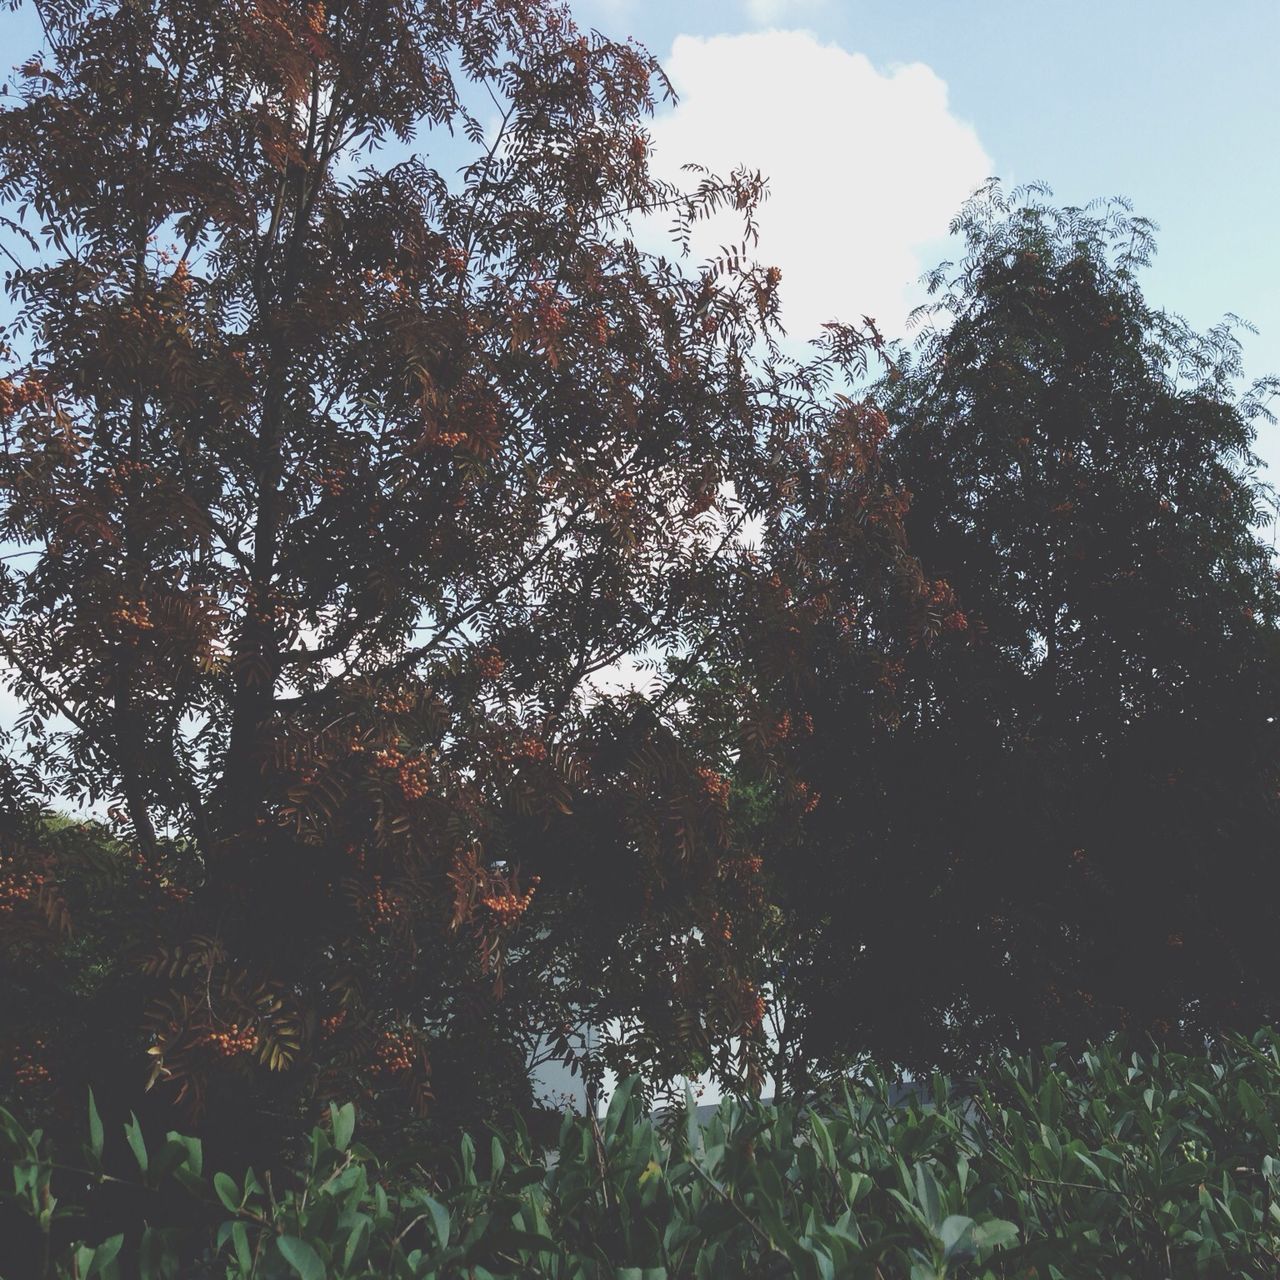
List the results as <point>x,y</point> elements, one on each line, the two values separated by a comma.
<point>1109,1165</point>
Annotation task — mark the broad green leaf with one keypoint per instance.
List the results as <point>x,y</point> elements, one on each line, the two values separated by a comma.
<point>344,1124</point>
<point>301,1257</point>
<point>439,1220</point>
<point>227,1191</point>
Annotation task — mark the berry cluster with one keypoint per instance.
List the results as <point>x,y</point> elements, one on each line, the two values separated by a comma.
<point>18,888</point>
<point>18,395</point>
<point>449,439</point>
<point>394,1054</point>
<point>809,799</point>
<point>413,773</point>
<point>331,1023</point>
<point>234,1040</point>
<point>490,664</point>
<point>133,614</point>
<point>507,908</point>
<point>29,1071</point>
<point>383,905</point>
<point>716,786</point>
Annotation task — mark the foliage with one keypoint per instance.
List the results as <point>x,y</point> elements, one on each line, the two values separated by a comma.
<point>1109,1166</point>
<point>1067,822</point>
<point>347,441</point>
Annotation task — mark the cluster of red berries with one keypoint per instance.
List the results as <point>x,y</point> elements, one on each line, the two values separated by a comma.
<point>722,925</point>
<point>334,481</point>
<point>331,1023</point>
<point>29,1070</point>
<point>18,395</point>
<point>810,799</point>
<point>490,664</point>
<point>234,1040</point>
<point>394,1054</point>
<point>19,887</point>
<point>396,703</point>
<point>891,670</point>
<point>507,907</point>
<point>550,313</point>
<point>449,439</point>
<point>383,905</point>
<point>413,773</point>
<point>134,614</point>
<point>715,785</point>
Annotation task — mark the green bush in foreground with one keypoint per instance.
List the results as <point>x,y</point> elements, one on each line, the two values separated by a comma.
<point>1107,1166</point>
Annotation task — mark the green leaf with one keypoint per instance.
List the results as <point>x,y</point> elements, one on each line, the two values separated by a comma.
<point>133,1132</point>
<point>240,1243</point>
<point>227,1191</point>
<point>956,1234</point>
<point>994,1234</point>
<point>930,1201</point>
<point>95,1128</point>
<point>104,1255</point>
<point>439,1220</point>
<point>617,1109</point>
<point>301,1257</point>
<point>344,1124</point>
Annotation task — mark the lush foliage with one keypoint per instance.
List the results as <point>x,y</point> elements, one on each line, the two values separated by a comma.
<point>1068,822</point>
<point>1108,1166</point>
<point>346,442</point>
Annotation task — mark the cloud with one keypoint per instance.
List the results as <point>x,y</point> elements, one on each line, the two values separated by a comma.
<point>772,13</point>
<point>866,167</point>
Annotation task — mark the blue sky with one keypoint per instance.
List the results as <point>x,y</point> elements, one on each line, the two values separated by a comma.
<point>1173,104</point>
<point>877,121</point>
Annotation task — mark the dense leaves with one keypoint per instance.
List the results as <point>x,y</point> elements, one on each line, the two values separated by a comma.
<point>350,442</point>
<point>1070,823</point>
<point>1108,1165</point>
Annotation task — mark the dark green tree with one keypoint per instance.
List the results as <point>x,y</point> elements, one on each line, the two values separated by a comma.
<point>1068,823</point>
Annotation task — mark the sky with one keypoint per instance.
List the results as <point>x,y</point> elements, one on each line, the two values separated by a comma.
<point>875,119</point>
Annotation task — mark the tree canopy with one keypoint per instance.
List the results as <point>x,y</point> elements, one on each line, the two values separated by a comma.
<point>1069,824</point>
<point>336,475</point>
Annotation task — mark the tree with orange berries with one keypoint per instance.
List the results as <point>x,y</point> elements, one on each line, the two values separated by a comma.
<point>350,440</point>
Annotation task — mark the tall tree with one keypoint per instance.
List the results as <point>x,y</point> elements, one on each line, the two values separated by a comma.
<point>1069,824</point>
<point>333,475</point>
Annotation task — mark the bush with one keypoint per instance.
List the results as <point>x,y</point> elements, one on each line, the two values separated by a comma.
<point>1108,1166</point>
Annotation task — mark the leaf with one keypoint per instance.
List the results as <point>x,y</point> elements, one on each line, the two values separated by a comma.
<point>344,1124</point>
<point>227,1191</point>
<point>105,1254</point>
<point>301,1257</point>
<point>95,1128</point>
<point>439,1220</point>
<point>993,1234</point>
<point>133,1132</point>
<point>930,1201</point>
<point>240,1242</point>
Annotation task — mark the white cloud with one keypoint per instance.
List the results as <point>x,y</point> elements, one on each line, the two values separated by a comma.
<point>772,13</point>
<point>866,167</point>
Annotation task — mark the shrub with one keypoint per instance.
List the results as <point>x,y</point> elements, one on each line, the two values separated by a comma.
<point>1107,1165</point>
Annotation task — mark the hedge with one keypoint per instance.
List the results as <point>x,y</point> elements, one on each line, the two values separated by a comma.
<point>1110,1164</point>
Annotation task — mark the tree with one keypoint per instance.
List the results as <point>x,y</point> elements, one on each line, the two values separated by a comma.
<point>333,477</point>
<point>1069,823</point>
